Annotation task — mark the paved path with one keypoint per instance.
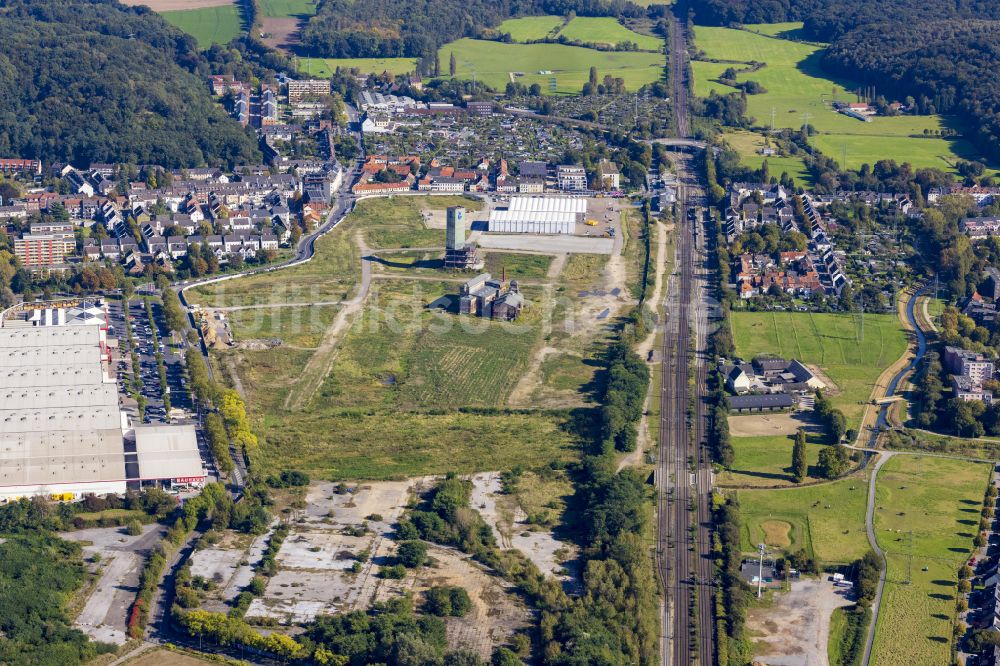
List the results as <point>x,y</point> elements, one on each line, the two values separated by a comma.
<point>873,542</point>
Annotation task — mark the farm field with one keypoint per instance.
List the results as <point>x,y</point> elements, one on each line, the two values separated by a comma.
<point>327,66</point>
<point>494,62</point>
<point>799,90</point>
<point>830,341</point>
<point>287,8</point>
<point>749,143</point>
<point>827,519</point>
<point>607,31</point>
<point>208,25</point>
<point>927,511</point>
<point>530,28</point>
<point>766,461</point>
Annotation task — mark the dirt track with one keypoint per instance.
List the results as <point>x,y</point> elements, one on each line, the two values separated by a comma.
<point>176,5</point>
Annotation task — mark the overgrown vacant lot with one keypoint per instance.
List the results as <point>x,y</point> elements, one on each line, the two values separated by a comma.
<point>395,222</point>
<point>294,326</point>
<point>926,515</point>
<point>831,341</point>
<point>493,63</point>
<point>402,354</point>
<point>797,85</point>
<point>827,519</point>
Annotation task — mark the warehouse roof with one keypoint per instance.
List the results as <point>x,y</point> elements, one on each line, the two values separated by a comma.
<point>766,401</point>
<point>58,396</point>
<point>554,204</point>
<point>167,452</point>
<point>532,216</point>
<point>62,457</point>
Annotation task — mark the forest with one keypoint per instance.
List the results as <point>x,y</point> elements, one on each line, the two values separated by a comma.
<point>388,29</point>
<point>94,81</point>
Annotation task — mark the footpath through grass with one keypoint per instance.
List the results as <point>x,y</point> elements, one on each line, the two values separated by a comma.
<point>833,342</point>
<point>926,515</point>
<point>800,91</point>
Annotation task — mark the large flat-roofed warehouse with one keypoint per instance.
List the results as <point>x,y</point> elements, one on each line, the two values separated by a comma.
<point>62,430</point>
<point>539,215</point>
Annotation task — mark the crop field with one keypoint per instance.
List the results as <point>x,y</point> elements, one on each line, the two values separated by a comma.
<point>926,515</point>
<point>287,8</point>
<point>607,31</point>
<point>747,144</point>
<point>531,28</point>
<point>209,25</point>
<point>495,63</point>
<point>766,461</point>
<point>827,519</point>
<point>831,341</point>
<point>327,66</point>
<point>799,90</point>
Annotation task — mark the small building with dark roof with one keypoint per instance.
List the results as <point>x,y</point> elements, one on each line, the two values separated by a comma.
<point>769,402</point>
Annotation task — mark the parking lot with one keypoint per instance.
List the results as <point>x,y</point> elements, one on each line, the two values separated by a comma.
<point>150,337</point>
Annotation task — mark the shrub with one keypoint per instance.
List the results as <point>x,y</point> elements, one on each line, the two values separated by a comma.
<point>394,572</point>
<point>134,527</point>
<point>412,554</point>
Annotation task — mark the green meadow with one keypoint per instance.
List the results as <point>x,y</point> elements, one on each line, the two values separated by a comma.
<point>287,8</point>
<point>800,91</point>
<point>833,342</point>
<point>495,63</point>
<point>749,144</point>
<point>531,28</point>
<point>327,66</point>
<point>607,31</point>
<point>926,516</point>
<point>209,25</point>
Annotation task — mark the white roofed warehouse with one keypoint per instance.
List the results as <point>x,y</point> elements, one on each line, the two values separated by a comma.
<point>539,215</point>
<point>62,429</point>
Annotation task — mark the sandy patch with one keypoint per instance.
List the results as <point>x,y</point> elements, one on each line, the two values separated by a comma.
<point>176,5</point>
<point>795,629</point>
<point>760,425</point>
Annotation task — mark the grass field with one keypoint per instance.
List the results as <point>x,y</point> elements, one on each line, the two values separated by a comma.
<point>607,31</point>
<point>749,143</point>
<point>831,341</point>
<point>531,28</point>
<point>209,25</point>
<point>766,461</point>
<point>927,513</point>
<point>827,519</point>
<point>493,63</point>
<point>402,355</point>
<point>287,8</point>
<point>327,66</point>
<point>396,222</point>
<point>800,90</point>
<point>295,326</point>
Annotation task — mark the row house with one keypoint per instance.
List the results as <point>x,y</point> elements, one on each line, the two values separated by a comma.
<point>980,228</point>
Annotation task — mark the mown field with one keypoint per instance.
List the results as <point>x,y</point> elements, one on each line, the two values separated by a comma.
<point>748,145</point>
<point>927,513</point>
<point>208,25</point>
<point>287,8</point>
<point>799,90</point>
<point>767,461</point>
<point>327,66</point>
<point>826,519</point>
<point>831,341</point>
<point>493,63</point>
<point>531,28</point>
<point>608,32</point>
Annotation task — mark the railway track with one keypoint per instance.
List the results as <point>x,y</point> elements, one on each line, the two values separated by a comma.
<point>684,477</point>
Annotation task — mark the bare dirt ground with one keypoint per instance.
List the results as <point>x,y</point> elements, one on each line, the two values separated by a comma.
<point>229,564</point>
<point>759,425</point>
<point>795,629</point>
<point>105,613</point>
<point>506,517</point>
<point>314,566</point>
<point>281,33</point>
<point>176,5</point>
